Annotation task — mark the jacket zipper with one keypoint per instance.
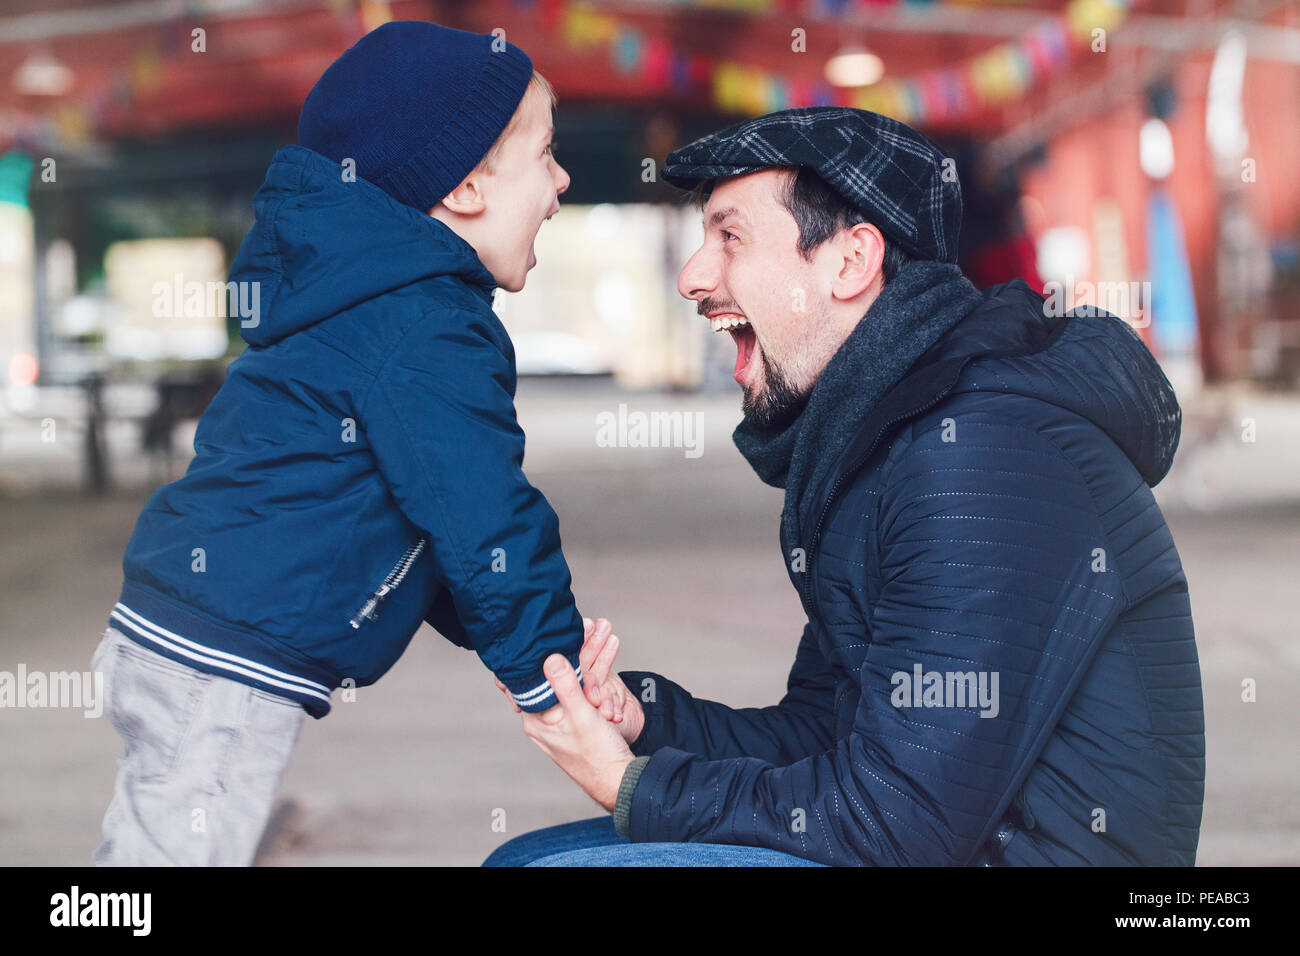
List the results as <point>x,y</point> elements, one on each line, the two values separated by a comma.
<point>368,610</point>
<point>858,463</point>
<point>1022,802</point>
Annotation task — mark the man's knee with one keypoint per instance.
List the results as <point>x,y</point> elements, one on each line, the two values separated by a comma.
<point>523,850</point>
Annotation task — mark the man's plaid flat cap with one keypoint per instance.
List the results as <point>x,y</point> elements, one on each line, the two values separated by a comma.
<point>888,170</point>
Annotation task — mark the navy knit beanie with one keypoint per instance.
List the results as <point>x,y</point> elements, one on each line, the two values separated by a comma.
<point>416,105</point>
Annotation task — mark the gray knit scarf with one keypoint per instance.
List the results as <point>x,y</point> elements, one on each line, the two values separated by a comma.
<point>923,301</point>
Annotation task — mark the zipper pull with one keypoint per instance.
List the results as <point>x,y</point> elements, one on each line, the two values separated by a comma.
<point>367,612</point>
<point>370,610</point>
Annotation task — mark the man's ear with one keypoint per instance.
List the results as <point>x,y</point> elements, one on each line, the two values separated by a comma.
<point>465,200</point>
<point>862,254</point>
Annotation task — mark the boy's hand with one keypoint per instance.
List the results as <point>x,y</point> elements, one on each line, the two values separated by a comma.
<point>617,704</point>
<point>604,689</point>
<point>599,647</point>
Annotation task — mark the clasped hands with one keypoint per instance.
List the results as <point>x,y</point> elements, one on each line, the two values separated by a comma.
<point>588,734</point>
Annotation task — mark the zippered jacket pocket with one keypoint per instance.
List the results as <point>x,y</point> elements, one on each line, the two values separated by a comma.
<point>370,609</point>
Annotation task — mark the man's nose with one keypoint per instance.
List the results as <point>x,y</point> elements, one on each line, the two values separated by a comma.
<point>697,278</point>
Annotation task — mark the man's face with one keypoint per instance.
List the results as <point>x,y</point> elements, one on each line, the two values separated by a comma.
<point>751,281</point>
<point>521,192</point>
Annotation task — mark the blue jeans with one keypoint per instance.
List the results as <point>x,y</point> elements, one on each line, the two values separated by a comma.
<point>596,843</point>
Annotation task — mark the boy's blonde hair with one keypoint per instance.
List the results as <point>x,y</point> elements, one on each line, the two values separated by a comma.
<point>538,84</point>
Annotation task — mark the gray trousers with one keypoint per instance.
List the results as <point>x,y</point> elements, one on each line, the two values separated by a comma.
<point>204,756</point>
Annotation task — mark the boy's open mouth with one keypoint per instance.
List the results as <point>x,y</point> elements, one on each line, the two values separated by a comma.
<point>743,333</point>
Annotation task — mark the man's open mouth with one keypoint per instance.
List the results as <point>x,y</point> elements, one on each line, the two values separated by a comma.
<point>743,333</point>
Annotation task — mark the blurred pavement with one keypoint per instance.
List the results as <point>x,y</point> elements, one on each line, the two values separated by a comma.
<point>681,553</point>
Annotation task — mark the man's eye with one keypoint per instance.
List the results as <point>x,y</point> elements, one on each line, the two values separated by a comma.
<point>728,235</point>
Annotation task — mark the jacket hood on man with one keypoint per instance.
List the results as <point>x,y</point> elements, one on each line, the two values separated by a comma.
<point>1003,339</point>
<point>1097,367</point>
<point>1087,361</point>
<point>322,244</point>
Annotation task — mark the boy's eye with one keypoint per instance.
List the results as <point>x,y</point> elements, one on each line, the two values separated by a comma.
<point>550,148</point>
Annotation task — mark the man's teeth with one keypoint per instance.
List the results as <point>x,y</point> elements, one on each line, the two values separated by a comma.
<point>727,323</point>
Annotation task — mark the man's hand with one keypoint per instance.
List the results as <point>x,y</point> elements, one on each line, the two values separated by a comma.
<point>604,688</point>
<point>578,738</point>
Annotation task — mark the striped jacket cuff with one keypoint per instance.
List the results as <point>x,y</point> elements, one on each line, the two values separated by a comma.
<point>533,693</point>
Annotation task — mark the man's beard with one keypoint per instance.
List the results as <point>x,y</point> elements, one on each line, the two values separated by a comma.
<point>780,402</point>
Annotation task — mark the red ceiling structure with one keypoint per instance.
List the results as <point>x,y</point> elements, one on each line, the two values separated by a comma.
<point>261,59</point>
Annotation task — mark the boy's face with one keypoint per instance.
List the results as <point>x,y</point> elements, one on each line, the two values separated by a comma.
<point>519,194</point>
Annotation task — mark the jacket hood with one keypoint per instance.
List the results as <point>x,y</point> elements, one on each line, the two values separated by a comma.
<point>320,245</point>
<point>1093,364</point>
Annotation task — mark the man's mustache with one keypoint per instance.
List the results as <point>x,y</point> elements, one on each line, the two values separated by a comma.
<point>708,306</point>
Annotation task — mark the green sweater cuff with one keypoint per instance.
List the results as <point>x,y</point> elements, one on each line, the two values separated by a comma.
<point>623,804</point>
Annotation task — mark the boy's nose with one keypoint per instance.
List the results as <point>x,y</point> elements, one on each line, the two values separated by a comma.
<point>562,179</point>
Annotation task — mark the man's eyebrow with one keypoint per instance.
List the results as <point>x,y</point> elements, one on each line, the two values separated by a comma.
<point>722,214</point>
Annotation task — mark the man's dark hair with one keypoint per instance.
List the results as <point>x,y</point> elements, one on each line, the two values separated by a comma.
<point>819,212</point>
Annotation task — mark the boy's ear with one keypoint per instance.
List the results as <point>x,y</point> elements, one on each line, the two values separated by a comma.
<point>466,199</point>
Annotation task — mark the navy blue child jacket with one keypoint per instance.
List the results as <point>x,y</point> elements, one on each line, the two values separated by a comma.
<point>360,470</point>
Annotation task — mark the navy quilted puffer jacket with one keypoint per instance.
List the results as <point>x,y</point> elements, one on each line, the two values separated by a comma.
<point>993,519</point>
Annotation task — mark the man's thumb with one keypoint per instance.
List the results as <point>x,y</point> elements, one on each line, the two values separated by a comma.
<point>563,680</point>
